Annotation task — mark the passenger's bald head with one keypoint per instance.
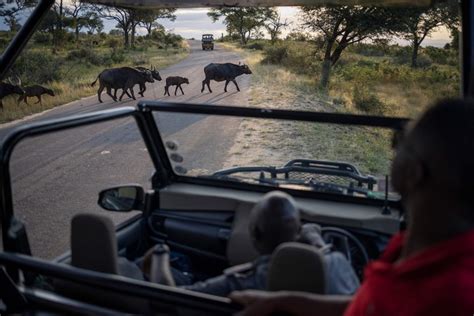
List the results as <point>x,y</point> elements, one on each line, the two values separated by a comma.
<point>274,220</point>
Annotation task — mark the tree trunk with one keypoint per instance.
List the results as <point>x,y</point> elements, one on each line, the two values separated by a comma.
<point>61,15</point>
<point>325,74</point>
<point>126,41</point>
<point>77,32</point>
<point>326,68</point>
<point>243,38</point>
<point>132,40</point>
<point>414,55</point>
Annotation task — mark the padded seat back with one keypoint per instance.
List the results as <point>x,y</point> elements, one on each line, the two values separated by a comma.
<point>297,267</point>
<point>94,247</point>
<point>93,243</point>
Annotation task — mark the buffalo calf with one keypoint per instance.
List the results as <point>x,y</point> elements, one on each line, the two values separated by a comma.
<point>7,89</point>
<point>35,91</point>
<point>175,81</point>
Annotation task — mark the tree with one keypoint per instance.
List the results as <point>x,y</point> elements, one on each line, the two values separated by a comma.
<point>92,22</point>
<point>122,16</point>
<point>415,24</point>
<point>10,8</point>
<point>242,20</point>
<point>76,11</point>
<point>12,22</point>
<point>147,18</point>
<point>342,26</point>
<point>274,26</point>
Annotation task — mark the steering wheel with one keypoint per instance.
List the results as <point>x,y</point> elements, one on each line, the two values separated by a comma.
<point>349,245</point>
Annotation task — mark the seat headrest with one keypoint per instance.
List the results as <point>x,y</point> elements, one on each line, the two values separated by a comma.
<point>93,243</point>
<point>297,267</point>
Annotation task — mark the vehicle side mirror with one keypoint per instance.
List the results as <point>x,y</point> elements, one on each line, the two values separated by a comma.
<point>123,198</point>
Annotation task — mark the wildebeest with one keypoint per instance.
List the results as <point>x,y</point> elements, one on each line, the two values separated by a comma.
<point>224,72</point>
<point>7,89</point>
<point>35,91</point>
<point>175,81</point>
<point>124,78</point>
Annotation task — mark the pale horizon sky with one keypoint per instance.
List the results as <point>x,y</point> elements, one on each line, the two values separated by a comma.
<point>192,23</point>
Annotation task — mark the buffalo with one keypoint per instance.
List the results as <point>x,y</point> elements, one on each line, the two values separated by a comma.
<point>124,78</point>
<point>224,72</point>
<point>8,89</point>
<point>154,73</point>
<point>175,81</point>
<point>35,91</point>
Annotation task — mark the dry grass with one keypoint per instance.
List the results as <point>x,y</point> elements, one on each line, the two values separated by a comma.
<point>66,92</point>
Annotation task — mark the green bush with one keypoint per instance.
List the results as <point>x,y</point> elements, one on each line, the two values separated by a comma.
<point>369,50</point>
<point>86,55</point>
<point>260,45</point>
<point>365,100</point>
<point>275,54</point>
<point>43,38</point>
<point>37,67</point>
<point>117,56</point>
<point>423,61</point>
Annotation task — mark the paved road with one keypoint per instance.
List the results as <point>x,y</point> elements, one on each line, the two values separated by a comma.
<point>58,175</point>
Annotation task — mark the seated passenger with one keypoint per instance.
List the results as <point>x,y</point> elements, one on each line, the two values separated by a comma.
<point>429,268</point>
<point>273,221</point>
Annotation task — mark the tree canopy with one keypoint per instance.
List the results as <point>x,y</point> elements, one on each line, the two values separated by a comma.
<point>342,26</point>
<point>244,21</point>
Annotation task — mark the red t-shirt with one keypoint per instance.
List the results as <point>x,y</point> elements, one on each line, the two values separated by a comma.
<point>438,281</point>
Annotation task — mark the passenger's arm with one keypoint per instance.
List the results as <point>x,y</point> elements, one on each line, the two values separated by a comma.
<point>260,303</point>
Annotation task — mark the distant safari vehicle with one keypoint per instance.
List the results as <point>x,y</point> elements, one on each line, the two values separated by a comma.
<point>207,41</point>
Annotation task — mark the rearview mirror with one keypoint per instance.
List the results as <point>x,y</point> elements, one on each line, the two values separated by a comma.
<point>123,198</point>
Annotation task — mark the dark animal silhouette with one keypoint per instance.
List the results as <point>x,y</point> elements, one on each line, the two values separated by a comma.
<point>124,78</point>
<point>223,72</point>
<point>7,89</point>
<point>175,81</point>
<point>154,73</point>
<point>35,91</point>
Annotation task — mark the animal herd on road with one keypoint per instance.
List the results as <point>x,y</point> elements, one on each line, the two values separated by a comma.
<point>126,78</point>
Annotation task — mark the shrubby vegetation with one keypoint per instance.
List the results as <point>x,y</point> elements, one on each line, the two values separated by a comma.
<point>70,68</point>
<point>374,78</point>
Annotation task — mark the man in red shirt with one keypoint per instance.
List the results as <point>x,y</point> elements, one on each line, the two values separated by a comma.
<point>429,269</point>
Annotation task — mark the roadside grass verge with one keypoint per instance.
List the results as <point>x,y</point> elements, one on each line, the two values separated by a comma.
<point>73,74</point>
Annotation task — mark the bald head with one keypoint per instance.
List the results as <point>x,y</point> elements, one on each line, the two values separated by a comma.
<point>274,220</point>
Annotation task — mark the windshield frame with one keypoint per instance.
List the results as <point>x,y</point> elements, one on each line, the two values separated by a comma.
<point>395,124</point>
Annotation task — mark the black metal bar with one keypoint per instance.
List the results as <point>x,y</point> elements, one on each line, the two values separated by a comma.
<point>320,117</point>
<point>467,22</point>
<point>41,300</point>
<point>314,170</point>
<point>130,287</point>
<point>34,129</point>
<point>156,148</point>
<point>21,38</point>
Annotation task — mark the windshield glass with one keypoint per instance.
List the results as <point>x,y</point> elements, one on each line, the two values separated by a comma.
<point>329,158</point>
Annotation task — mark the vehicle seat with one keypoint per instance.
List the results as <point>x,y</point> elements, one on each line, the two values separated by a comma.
<point>94,247</point>
<point>297,267</point>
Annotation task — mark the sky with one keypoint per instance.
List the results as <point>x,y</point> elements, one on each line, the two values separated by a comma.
<point>192,23</point>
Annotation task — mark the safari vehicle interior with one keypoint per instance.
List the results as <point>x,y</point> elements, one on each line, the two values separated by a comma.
<point>201,212</point>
